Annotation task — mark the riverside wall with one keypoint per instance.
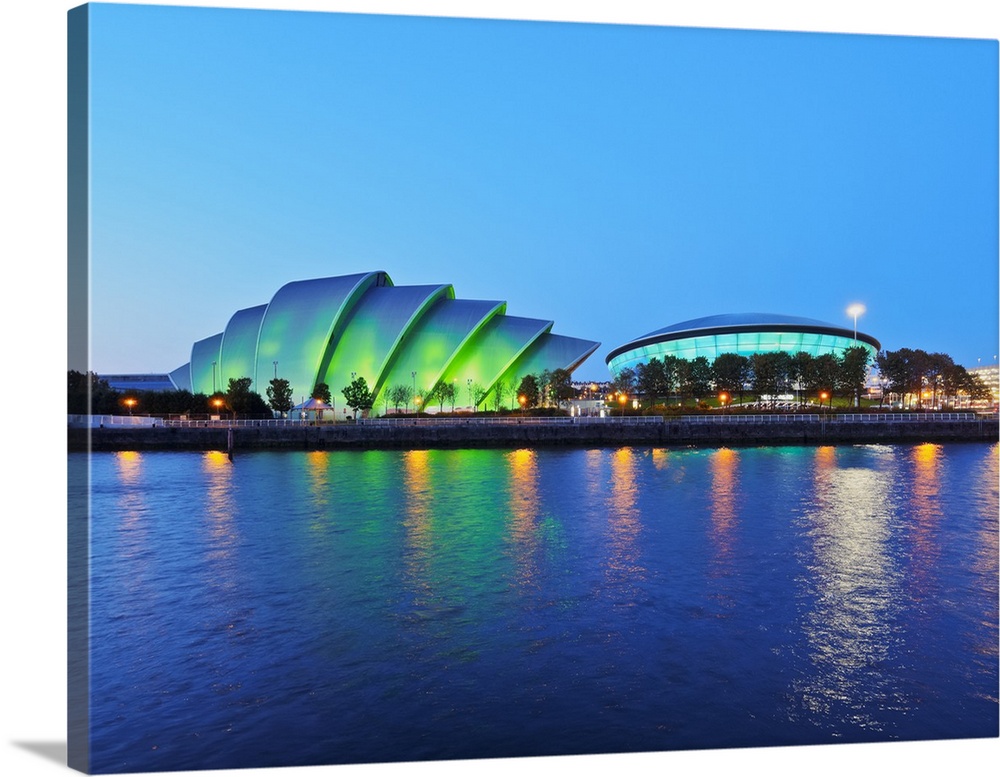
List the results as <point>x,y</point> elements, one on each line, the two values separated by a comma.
<point>514,435</point>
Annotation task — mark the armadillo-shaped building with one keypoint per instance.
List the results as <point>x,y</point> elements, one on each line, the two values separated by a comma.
<point>330,330</point>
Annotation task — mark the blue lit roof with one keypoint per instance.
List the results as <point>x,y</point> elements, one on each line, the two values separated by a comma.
<point>756,320</point>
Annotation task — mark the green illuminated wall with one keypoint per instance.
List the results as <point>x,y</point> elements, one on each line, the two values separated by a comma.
<point>238,353</point>
<point>436,339</point>
<point>327,329</point>
<point>493,351</point>
<point>373,330</point>
<point>301,322</point>
<point>205,364</point>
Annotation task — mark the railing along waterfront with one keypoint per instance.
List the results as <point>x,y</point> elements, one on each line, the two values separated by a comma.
<point>706,418</point>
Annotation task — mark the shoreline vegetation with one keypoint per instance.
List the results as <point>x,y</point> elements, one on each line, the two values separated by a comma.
<point>737,430</point>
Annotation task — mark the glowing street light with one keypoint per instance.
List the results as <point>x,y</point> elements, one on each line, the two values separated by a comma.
<point>723,398</point>
<point>524,401</point>
<point>622,399</point>
<point>130,402</point>
<point>856,310</point>
<point>822,398</point>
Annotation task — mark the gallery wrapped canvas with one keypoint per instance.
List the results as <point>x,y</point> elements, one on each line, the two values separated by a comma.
<point>369,462</point>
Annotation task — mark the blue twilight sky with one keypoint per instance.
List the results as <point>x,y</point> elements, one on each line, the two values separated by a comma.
<point>613,178</point>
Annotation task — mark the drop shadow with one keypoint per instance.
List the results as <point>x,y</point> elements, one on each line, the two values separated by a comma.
<point>52,751</point>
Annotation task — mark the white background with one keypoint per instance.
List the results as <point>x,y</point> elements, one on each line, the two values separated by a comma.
<point>33,235</point>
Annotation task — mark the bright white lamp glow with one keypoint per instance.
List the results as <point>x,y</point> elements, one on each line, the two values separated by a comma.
<point>856,310</point>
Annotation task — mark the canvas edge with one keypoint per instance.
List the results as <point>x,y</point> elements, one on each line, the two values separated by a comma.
<point>78,353</point>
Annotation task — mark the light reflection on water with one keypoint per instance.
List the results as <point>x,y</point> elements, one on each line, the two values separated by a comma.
<point>624,568</point>
<point>523,506</point>
<point>853,584</point>
<point>384,605</point>
<point>723,493</point>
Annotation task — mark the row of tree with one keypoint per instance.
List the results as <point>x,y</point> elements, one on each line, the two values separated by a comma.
<point>769,374</point>
<point>550,387</point>
<point>923,377</point>
<point>933,377</point>
<point>87,393</point>
<point>902,373</point>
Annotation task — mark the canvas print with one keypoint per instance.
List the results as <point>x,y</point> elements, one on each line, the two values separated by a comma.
<point>470,389</point>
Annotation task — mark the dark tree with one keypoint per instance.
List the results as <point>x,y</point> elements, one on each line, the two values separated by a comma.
<point>560,386</point>
<point>624,382</point>
<point>322,392</point>
<point>400,394</point>
<point>89,394</point>
<point>697,378</point>
<point>854,372</point>
<point>825,375</point>
<point>443,392</point>
<point>358,396</point>
<point>731,372</point>
<point>238,395</point>
<point>803,367</point>
<point>770,373</point>
<point>528,388</point>
<point>279,395</point>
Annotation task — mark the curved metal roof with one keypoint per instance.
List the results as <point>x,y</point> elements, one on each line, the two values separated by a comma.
<point>739,322</point>
<point>326,330</point>
<point>756,320</point>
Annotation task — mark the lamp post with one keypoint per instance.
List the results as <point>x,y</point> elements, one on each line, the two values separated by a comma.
<point>622,399</point>
<point>214,389</point>
<point>856,310</point>
<point>722,400</point>
<point>413,387</point>
<point>130,402</point>
<point>468,383</point>
<point>523,400</point>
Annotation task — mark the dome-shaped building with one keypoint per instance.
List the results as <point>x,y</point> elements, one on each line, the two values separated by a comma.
<point>740,333</point>
<point>329,330</point>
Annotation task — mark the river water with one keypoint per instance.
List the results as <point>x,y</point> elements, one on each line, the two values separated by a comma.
<point>340,607</point>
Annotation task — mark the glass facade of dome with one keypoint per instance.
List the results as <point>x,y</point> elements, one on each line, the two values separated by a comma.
<point>742,334</point>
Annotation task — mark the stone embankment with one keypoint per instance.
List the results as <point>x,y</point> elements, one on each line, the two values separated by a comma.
<point>403,434</point>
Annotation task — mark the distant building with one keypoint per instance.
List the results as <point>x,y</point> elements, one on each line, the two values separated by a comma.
<point>331,330</point>
<point>142,382</point>
<point>990,375</point>
<point>743,334</point>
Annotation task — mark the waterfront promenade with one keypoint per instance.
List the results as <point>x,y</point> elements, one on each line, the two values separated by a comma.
<point>125,433</point>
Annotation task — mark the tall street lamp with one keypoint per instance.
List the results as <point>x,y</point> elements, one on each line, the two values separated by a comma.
<point>856,310</point>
